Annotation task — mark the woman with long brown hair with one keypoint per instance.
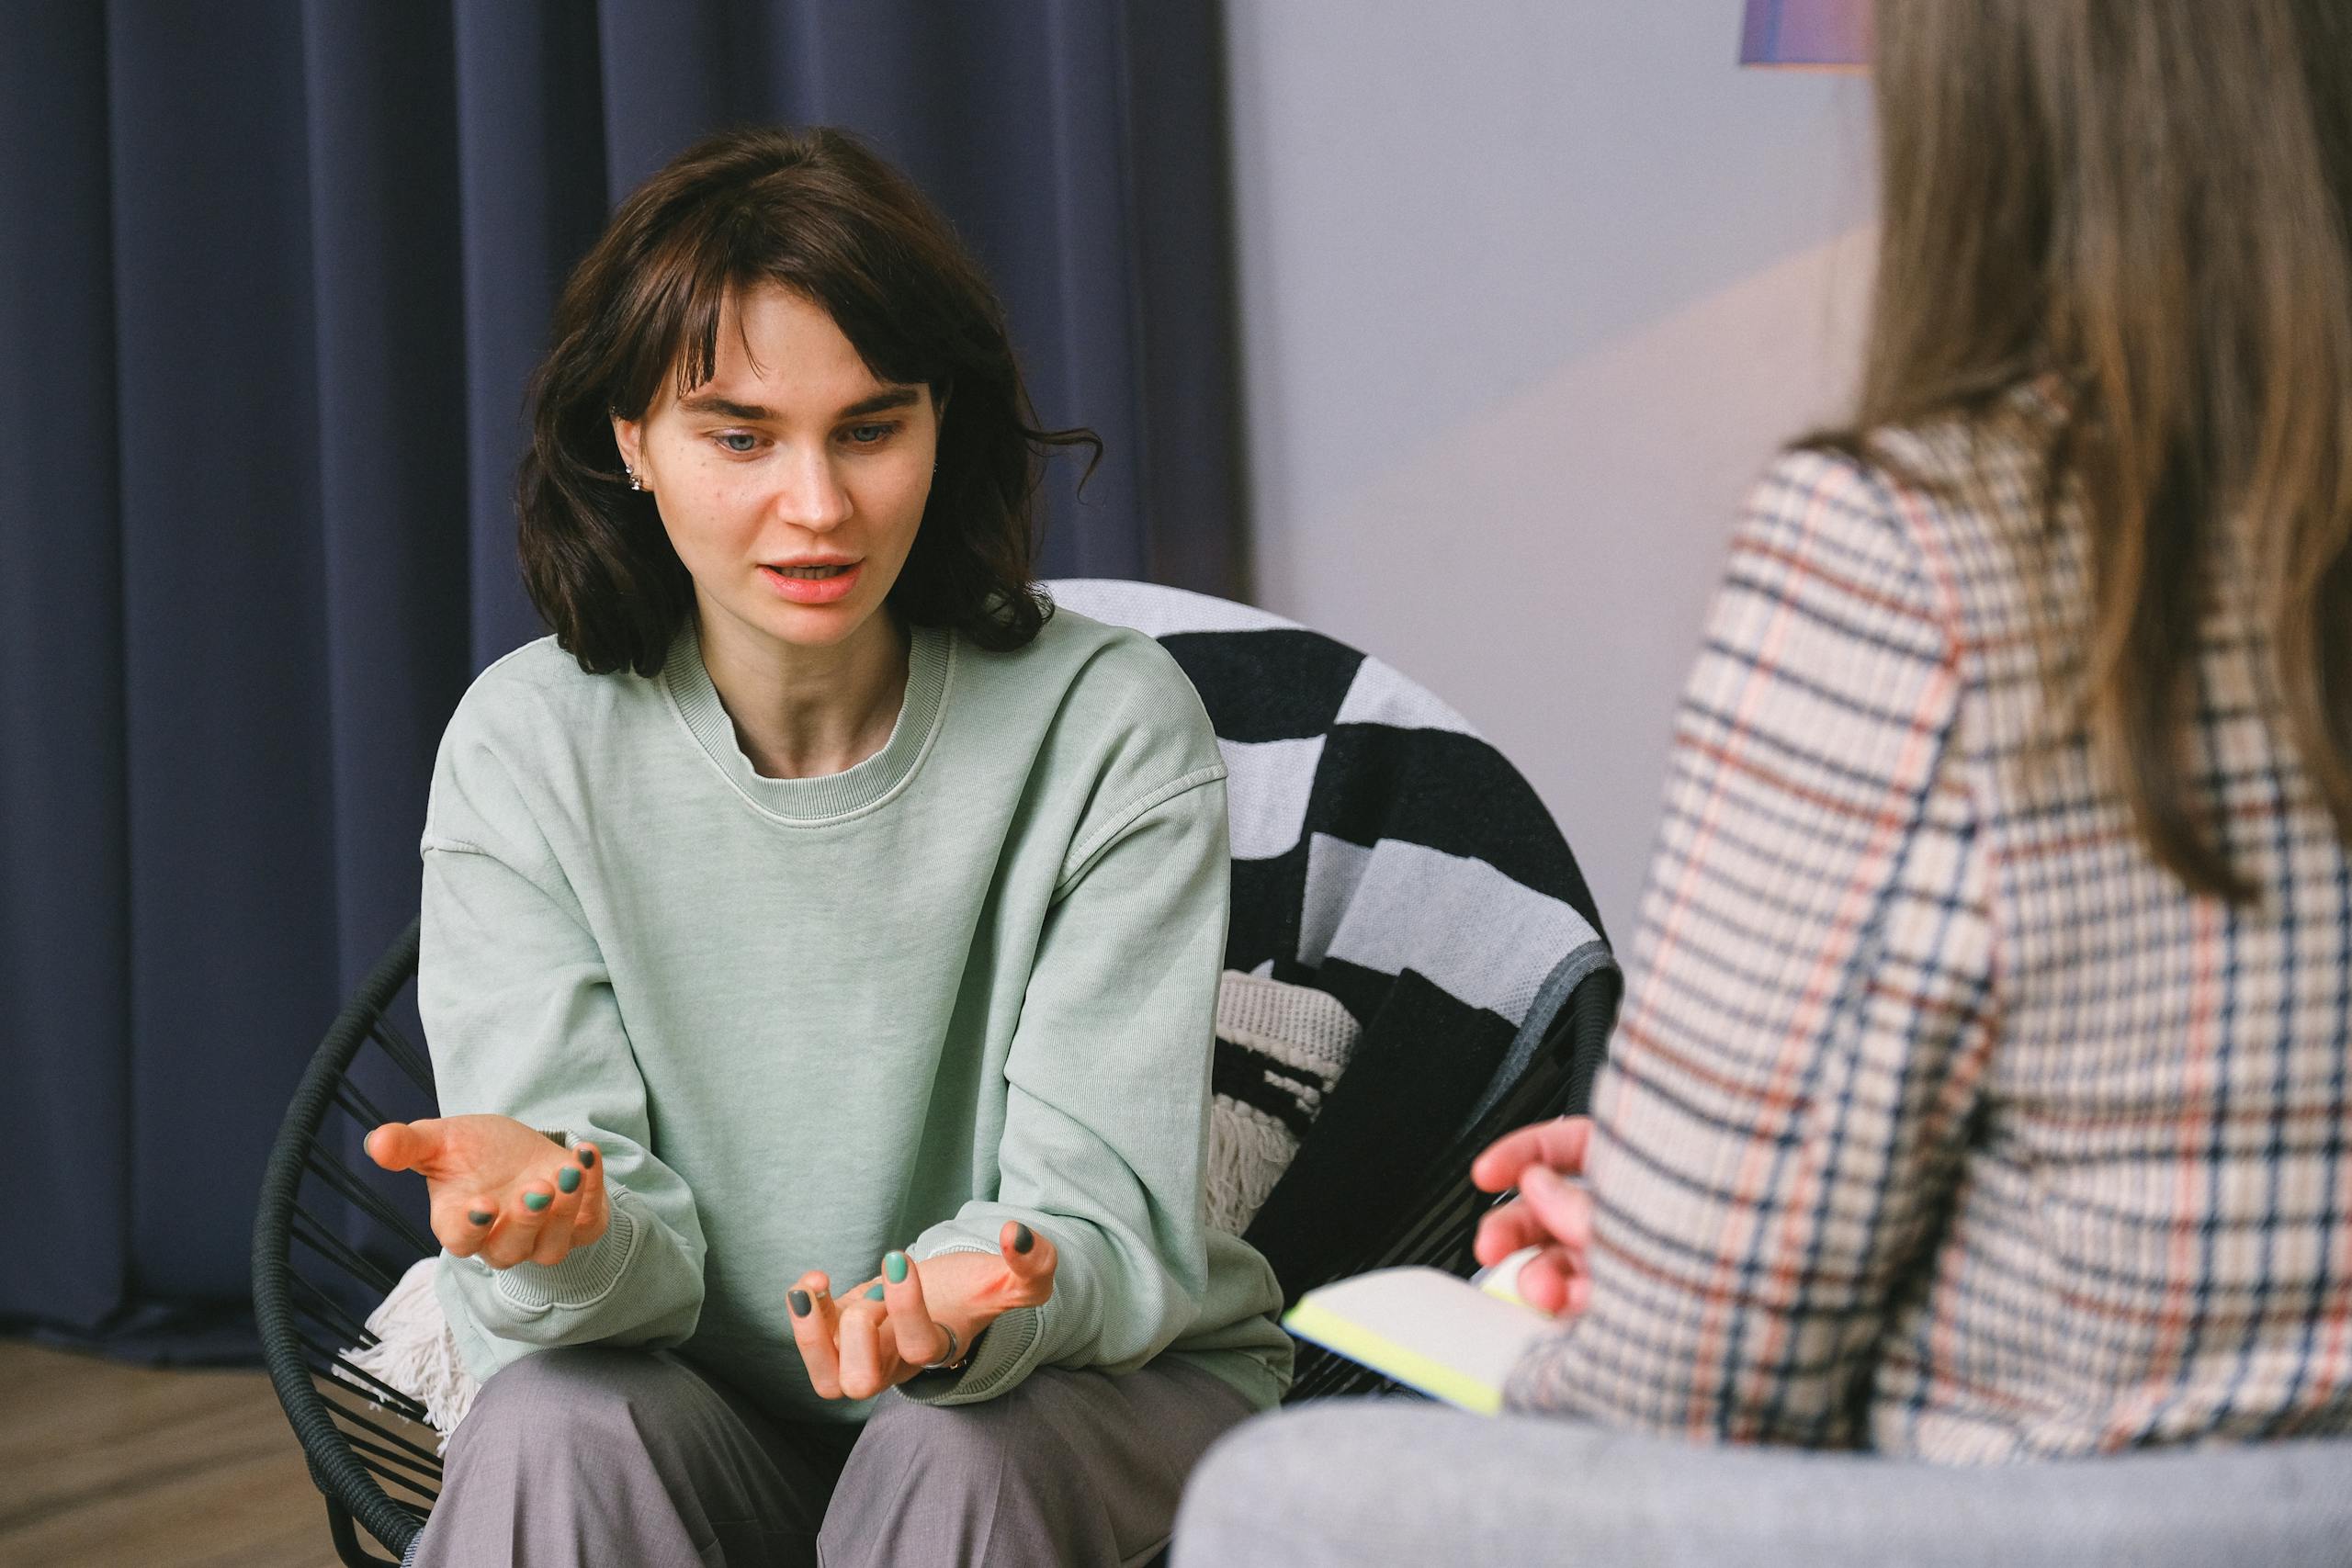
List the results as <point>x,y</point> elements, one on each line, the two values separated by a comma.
<point>1985,1090</point>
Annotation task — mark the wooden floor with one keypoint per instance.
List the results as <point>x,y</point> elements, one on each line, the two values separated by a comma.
<point>104,1465</point>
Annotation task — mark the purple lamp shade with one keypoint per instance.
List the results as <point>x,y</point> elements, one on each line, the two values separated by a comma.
<point>1821,33</point>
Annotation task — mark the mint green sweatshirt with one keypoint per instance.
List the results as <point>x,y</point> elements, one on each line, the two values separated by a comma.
<point>971,979</point>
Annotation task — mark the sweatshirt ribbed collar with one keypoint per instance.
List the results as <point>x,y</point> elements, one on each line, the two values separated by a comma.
<point>816,800</point>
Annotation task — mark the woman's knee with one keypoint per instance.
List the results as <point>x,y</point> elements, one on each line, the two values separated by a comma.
<point>995,1437</point>
<point>574,1394</point>
<point>991,1483</point>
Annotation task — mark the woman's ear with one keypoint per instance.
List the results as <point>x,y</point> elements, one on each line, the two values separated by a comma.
<point>629,434</point>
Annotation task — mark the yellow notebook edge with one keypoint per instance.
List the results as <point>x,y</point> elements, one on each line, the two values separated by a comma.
<point>1312,1320</point>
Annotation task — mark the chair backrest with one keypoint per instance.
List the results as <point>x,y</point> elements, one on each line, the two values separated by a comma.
<point>1386,853</point>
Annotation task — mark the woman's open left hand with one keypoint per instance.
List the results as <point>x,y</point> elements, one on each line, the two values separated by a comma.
<point>1552,1214</point>
<point>886,1330</point>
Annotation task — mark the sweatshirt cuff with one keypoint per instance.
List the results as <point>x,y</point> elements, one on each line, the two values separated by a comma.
<point>583,1278</point>
<point>1008,1352</point>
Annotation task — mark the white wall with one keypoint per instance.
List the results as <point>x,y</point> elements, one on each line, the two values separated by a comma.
<point>1529,291</point>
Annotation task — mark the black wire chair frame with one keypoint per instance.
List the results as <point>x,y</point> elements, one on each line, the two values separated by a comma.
<point>337,1410</point>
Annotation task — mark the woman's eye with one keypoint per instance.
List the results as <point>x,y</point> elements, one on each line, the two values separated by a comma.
<point>729,439</point>
<point>869,434</point>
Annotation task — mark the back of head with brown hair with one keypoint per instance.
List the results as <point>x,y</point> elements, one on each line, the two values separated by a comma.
<point>2146,199</point>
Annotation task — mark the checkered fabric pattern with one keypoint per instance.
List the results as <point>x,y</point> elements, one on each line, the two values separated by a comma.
<point>1941,1118</point>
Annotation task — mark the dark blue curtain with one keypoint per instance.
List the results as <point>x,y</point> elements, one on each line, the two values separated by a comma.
<point>272,276</point>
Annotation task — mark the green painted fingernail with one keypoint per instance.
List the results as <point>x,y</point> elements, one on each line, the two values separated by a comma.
<point>1021,1239</point>
<point>799,1300</point>
<point>535,1201</point>
<point>894,1264</point>
<point>875,1295</point>
<point>479,1217</point>
<point>568,1179</point>
<point>587,1157</point>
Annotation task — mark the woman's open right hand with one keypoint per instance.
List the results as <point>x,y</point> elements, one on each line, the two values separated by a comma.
<point>501,1190</point>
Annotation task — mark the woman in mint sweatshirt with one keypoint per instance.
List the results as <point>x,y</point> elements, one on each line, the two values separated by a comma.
<point>820,941</point>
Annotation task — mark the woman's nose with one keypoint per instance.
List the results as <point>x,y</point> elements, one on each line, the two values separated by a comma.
<point>809,494</point>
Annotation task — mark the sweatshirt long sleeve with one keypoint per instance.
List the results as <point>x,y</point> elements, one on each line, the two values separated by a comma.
<point>971,979</point>
<point>509,968</point>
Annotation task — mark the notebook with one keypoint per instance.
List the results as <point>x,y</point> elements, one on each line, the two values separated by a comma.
<point>1429,1330</point>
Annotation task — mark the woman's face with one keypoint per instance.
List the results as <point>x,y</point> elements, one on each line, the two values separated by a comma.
<point>792,482</point>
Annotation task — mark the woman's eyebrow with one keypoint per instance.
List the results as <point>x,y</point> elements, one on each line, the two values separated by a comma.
<point>895,398</point>
<point>705,403</point>
<point>882,402</point>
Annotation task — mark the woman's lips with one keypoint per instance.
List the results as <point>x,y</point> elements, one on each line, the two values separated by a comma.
<point>812,590</point>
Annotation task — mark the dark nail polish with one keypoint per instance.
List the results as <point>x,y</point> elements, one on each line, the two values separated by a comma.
<point>1022,1238</point>
<point>479,1217</point>
<point>894,1264</point>
<point>535,1201</point>
<point>799,1301</point>
<point>568,1179</point>
<point>875,1295</point>
<point>587,1157</point>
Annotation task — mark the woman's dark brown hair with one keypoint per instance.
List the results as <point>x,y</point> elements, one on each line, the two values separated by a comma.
<point>2146,200</point>
<point>817,214</point>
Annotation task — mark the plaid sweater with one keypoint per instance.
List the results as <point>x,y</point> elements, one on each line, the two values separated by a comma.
<point>1941,1120</point>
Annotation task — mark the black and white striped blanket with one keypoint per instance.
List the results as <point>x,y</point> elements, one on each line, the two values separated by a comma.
<point>1388,857</point>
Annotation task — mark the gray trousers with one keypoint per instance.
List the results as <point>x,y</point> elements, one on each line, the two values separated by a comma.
<point>1361,1483</point>
<point>597,1455</point>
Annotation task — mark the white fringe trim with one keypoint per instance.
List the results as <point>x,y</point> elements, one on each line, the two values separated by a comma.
<point>1248,1151</point>
<point>416,1353</point>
